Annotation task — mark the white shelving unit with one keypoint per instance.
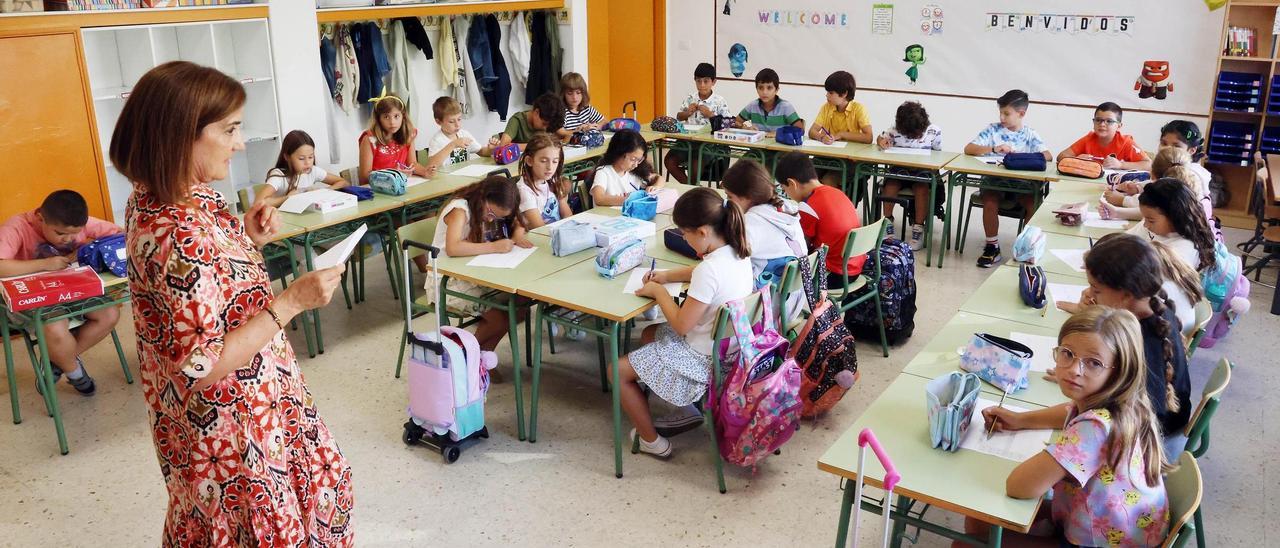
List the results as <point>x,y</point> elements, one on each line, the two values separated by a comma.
<point>118,56</point>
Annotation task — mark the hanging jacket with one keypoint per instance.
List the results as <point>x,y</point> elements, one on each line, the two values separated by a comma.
<point>449,60</point>
<point>328,62</point>
<point>372,57</point>
<point>557,52</point>
<point>398,51</point>
<point>417,35</point>
<point>381,62</point>
<point>541,78</point>
<point>499,97</point>
<point>468,89</point>
<point>479,54</point>
<point>347,71</point>
<point>518,44</point>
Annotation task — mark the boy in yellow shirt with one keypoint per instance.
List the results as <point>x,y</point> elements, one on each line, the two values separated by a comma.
<point>840,118</point>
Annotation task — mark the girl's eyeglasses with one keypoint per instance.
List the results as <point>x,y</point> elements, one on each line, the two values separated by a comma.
<point>1065,358</point>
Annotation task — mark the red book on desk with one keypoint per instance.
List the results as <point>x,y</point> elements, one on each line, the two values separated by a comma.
<point>50,288</point>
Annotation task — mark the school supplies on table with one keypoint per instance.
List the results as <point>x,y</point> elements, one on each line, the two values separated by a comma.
<point>507,154</point>
<point>448,376</point>
<point>1071,214</point>
<point>1029,246</point>
<point>473,170</point>
<point>790,135</point>
<point>619,257</point>
<point>323,200</point>
<point>1032,283</point>
<point>108,253</point>
<point>1016,446</point>
<point>674,240</point>
<point>990,159</point>
<point>1002,362</point>
<point>739,135</point>
<point>339,253</point>
<point>640,205</point>
<point>995,421</point>
<point>637,280</point>
<point>361,193</point>
<point>571,237</point>
<point>510,259</point>
<point>388,181</point>
<point>619,124</point>
<point>817,143</point>
<point>908,151</point>
<point>1025,161</point>
<point>666,124</point>
<point>1094,220</point>
<point>414,180</point>
<point>1075,167</point>
<point>50,288</point>
<point>666,199</point>
<point>616,229</point>
<point>949,402</point>
<point>1041,349</point>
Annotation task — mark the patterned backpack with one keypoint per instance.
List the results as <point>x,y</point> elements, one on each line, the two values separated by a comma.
<point>897,295</point>
<point>824,349</point>
<point>758,408</point>
<point>666,124</point>
<point>1227,291</point>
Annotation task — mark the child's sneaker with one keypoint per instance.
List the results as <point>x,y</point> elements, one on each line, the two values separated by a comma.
<point>80,379</point>
<point>888,227</point>
<point>573,333</point>
<point>678,422</point>
<point>650,315</point>
<point>990,256</point>
<point>660,447</point>
<point>917,237</point>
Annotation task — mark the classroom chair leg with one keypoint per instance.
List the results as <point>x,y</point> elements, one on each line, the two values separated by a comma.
<point>513,333</point>
<point>1199,521</point>
<point>884,340</point>
<point>346,295</point>
<point>536,356</point>
<point>124,364</point>
<point>600,346</point>
<point>528,344</point>
<point>45,373</point>
<point>31,355</point>
<point>617,401</point>
<point>8,368</point>
<point>715,448</point>
<point>551,339</point>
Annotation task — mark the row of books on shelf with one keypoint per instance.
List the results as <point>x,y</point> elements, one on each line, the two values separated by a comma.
<point>1241,42</point>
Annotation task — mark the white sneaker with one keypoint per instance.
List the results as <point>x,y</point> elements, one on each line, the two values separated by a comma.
<point>650,314</point>
<point>660,447</point>
<point>678,421</point>
<point>917,237</point>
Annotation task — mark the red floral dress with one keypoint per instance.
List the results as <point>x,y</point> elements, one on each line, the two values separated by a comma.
<point>387,155</point>
<point>247,461</point>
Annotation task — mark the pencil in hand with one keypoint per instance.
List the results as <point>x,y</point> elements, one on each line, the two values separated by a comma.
<point>994,419</point>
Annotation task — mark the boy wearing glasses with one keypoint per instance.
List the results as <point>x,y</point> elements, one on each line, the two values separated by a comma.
<point>1106,145</point>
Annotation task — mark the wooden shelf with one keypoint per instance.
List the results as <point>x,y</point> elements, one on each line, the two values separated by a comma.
<point>334,15</point>
<point>28,22</point>
<point>1257,3</point>
<point>1252,59</point>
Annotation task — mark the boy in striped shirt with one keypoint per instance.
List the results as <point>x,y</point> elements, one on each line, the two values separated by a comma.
<point>769,112</point>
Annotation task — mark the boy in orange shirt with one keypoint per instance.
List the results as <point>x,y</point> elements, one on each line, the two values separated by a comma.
<point>47,239</point>
<point>1106,144</point>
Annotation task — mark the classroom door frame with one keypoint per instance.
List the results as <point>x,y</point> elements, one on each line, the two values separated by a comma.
<point>599,62</point>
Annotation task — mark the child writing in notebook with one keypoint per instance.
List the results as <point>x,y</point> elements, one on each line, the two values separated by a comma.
<point>1170,162</point>
<point>478,220</point>
<point>47,239</point>
<point>1000,138</point>
<point>1106,145</point>
<point>453,144</point>
<point>388,143</point>
<point>911,129</point>
<point>296,171</point>
<point>675,361</point>
<point>826,215</point>
<point>1125,271</point>
<point>579,115</point>
<point>841,118</point>
<point>1105,468</point>
<point>622,170</point>
<point>546,113</point>
<point>773,224</point>
<point>1172,215</point>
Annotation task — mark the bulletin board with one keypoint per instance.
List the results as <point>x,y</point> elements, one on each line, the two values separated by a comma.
<point>1081,52</point>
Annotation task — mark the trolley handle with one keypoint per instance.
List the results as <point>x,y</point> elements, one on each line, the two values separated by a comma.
<point>433,250</point>
<point>891,476</point>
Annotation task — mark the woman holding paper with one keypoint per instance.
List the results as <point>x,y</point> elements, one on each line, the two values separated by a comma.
<point>245,456</point>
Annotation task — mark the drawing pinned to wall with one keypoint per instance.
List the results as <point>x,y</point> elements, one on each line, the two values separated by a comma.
<point>931,19</point>
<point>727,10</point>
<point>738,59</point>
<point>914,55</point>
<point>882,19</point>
<point>1153,81</point>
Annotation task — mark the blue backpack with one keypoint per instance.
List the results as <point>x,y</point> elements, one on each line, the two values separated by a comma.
<point>108,253</point>
<point>897,295</point>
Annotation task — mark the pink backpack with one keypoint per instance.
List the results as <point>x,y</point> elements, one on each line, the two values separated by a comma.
<point>759,407</point>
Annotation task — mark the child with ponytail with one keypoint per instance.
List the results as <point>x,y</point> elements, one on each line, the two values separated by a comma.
<point>1125,271</point>
<point>675,360</point>
<point>773,224</point>
<point>1105,468</point>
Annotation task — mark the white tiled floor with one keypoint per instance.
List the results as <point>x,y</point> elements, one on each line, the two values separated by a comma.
<point>561,490</point>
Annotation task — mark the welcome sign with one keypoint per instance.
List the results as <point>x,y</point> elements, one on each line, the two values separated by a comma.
<point>1072,24</point>
<point>803,18</point>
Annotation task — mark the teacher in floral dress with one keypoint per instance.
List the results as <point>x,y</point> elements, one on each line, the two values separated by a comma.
<point>245,457</point>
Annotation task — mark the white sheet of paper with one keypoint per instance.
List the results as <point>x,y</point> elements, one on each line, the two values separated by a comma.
<point>1073,257</point>
<point>1016,446</point>
<point>298,203</point>
<point>908,151</point>
<point>1065,292</point>
<point>1041,349</point>
<point>817,143</point>
<point>338,254</point>
<point>993,160</point>
<point>414,180</point>
<point>1092,219</point>
<point>510,259</point>
<point>637,280</point>
<point>574,152</point>
<point>474,170</point>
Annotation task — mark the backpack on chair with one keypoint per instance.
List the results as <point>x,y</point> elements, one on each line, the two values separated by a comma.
<point>897,295</point>
<point>824,350</point>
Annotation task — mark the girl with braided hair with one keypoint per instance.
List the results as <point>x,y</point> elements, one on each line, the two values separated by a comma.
<point>1171,214</point>
<point>1125,271</point>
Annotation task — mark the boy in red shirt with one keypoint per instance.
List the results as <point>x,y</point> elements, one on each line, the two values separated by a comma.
<point>46,239</point>
<point>1106,144</point>
<point>826,215</point>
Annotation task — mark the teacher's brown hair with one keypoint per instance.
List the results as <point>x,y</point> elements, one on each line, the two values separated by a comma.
<point>168,108</point>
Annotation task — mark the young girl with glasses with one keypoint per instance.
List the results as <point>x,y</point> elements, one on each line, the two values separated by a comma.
<point>622,170</point>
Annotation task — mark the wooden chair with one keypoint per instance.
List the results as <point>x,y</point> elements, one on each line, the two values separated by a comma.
<point>1204,313</point>
<point>1198,427</point>
<point>1185,489</point>
<point>863,241</point>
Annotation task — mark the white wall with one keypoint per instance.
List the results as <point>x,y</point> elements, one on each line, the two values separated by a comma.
<point>689,42</point>
<point>304,96</point>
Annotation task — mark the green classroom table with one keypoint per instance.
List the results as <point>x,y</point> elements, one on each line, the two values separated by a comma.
<point>969,172</point>
<point>876,163</point>
<point>940,356</point>
<point>1052,264</point>
<point>1047,221</point>
<point>998,297</point>
<point>1065,191</point>
<point>965,482</point>
<point>580,288</point>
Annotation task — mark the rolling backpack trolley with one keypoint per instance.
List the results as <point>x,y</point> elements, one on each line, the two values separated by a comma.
<point>448,375</point>
<point>891,478</point>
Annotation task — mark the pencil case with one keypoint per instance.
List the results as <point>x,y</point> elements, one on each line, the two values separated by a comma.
<point>1071,214</point>
<point>388,181</point>
<point>619,257</point>
<point>571,237</point>
<point>950,401</point>
<point>674,240</point>
<point>1029,246</point>
<point>1025,161</point>
<point>1002,362</point>
<point>640,205</point>
<point>361,193</point>
<point>1076,167</point>
<point>1032,284</point>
